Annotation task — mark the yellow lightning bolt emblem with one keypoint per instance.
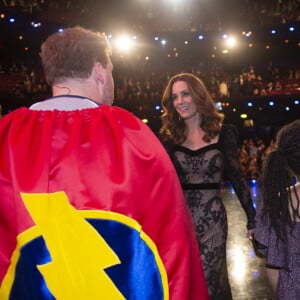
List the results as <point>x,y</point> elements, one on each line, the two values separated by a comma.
<point>79,254</point>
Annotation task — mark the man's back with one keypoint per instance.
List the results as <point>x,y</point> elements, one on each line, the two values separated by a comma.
<point>101,210</point>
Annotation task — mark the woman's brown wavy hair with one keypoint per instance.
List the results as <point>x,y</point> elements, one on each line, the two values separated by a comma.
<point>173,127</point>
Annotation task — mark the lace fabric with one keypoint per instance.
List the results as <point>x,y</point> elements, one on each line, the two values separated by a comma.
<point>209,166</point>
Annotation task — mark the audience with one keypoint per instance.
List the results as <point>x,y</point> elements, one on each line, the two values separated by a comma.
<point>150,16</point>
<point>137,86</point>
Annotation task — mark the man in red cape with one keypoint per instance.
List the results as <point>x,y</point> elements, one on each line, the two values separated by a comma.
<point>91,207</point>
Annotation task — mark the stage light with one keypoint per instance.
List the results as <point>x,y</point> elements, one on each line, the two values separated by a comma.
<point>60,30</point>
<point>250,104</point>
<point>231,42</point>
<point>163,42</point>
<point>200,37</point>
<point>297,102</point>
<point>273,31</point>
<point>219,105</point>
<point>271,103</point>
<point>156,38</point>
<point>12,20</point>
<point>292,29</point>
<point>124,43</point>
<point>247,34</point>
<point>35,24</point>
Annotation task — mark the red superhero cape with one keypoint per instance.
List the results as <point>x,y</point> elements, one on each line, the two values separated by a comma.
<point>87,189</point>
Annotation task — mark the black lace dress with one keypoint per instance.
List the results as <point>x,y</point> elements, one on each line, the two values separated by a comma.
<point>201,173</point>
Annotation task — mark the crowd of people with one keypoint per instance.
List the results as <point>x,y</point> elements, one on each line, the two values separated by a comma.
<point>251,80</point>
<point>252,154</point>
<point>138,87</point>
<point>151,16</point>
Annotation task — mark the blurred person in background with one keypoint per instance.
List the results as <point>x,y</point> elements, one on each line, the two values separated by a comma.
<point>277,232</point>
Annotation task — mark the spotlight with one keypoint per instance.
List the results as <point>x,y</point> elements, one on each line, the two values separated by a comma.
<point>35,24</point>
<point>124,43</point>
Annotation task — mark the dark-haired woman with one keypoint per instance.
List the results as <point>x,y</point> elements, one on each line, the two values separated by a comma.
<point>202,148</point>
<point>278,219</point>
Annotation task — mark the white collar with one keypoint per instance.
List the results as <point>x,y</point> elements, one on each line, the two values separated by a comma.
<point>65,103</point>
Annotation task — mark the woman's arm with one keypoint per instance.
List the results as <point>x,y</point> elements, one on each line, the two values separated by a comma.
<point>235,174</point>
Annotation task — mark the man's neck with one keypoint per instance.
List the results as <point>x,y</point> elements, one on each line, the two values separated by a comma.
<point>76,87</point>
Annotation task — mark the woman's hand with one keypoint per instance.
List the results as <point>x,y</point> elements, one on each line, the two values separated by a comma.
<point>250,233</point>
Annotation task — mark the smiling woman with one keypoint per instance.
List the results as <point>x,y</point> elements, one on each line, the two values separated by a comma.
<point>183,102</point>
<point>202,150</point>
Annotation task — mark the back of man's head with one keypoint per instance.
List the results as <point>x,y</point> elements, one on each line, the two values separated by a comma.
<point>72,53</point>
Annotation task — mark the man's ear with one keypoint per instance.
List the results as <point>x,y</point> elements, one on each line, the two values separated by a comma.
<point>98,72</point>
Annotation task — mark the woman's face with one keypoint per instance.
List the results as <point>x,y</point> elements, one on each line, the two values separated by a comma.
<point>182,100</point>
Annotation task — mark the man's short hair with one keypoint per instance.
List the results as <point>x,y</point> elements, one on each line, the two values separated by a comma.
<point>72,54</point>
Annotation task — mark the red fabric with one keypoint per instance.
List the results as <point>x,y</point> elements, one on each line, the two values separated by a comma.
<point>106,159</point>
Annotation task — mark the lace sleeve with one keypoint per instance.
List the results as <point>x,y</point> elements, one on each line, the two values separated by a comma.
<point>235,174</point>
